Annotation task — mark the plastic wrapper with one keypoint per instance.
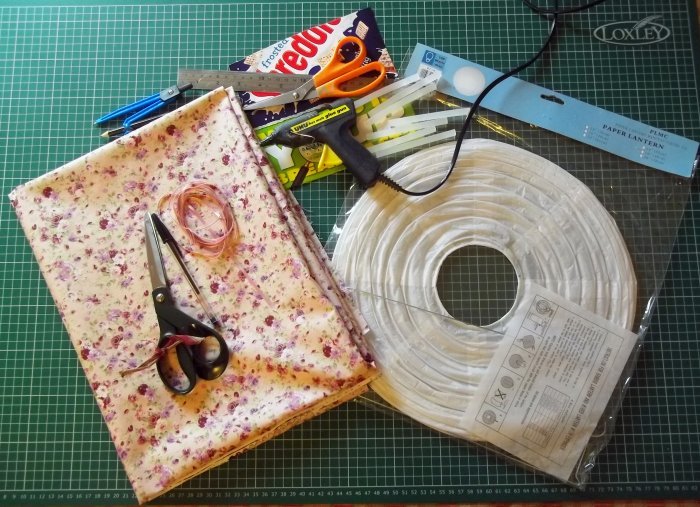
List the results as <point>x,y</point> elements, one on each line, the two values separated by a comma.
<point>570,245</point>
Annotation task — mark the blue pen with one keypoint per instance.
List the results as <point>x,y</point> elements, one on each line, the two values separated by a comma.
<point>144,107</point>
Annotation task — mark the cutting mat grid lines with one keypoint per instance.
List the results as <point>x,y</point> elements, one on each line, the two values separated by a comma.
<point>61,67</point>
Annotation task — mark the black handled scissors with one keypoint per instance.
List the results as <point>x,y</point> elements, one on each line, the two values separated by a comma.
<point>190,337</point>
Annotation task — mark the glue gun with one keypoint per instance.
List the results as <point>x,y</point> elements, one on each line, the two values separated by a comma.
<point>329,124</point>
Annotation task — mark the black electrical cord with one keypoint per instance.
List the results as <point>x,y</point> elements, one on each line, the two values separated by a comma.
<point>563,10</point>
<point>551,13</point>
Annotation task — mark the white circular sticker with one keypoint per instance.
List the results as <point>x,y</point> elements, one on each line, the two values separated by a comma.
<point>469,81</point>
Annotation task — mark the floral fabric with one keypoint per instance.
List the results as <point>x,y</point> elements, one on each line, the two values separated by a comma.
<point>295,340</point>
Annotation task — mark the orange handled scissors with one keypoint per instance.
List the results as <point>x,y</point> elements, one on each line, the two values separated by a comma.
<point>331,81</point>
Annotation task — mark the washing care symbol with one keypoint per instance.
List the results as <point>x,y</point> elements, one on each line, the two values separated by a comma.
<point>528,342</point>
<point>498,399</point>
<point>543,307</point>
<point>489,417</point>
<point>516,361</point>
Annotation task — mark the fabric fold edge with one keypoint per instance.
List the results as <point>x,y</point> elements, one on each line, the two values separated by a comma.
<point>313,411</point>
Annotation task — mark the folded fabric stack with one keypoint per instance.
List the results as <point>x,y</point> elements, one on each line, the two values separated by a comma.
<point>295,340</point>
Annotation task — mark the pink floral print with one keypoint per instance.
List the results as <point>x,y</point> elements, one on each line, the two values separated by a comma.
<point>295,339</point>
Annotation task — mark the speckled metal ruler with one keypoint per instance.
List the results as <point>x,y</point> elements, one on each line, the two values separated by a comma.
<point>63,66</point>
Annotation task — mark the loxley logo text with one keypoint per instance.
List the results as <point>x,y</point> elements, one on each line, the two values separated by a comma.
<point>633,33</point>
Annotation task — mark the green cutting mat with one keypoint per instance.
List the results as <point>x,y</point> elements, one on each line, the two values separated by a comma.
<point>62,66</point>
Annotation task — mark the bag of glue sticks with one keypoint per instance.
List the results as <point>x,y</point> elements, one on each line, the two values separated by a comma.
<point>505,304</point>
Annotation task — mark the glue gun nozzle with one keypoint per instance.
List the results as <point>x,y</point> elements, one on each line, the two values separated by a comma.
<point>267,141</point>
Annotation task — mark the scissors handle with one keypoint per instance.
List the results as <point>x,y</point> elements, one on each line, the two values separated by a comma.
<point>145,106</point>
<point>129,108</point>
<point>191,359</point>
<point>329,81</point>
<point>334,88</point>
<point>185,361</point>
<point>338,66</point>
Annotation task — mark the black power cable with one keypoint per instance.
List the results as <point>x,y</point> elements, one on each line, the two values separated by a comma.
<point>563,10</point>
<point>551,13</point>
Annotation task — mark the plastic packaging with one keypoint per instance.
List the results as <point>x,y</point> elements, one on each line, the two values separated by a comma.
<point>591,231</point>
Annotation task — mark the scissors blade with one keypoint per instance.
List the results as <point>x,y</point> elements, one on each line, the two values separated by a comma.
<point>300,93</point>
<point>155,257</point>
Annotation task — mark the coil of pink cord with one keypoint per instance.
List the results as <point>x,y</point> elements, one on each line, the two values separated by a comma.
<point>205,216</point>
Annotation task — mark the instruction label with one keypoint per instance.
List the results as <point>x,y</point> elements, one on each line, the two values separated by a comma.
<point>549,382</point>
